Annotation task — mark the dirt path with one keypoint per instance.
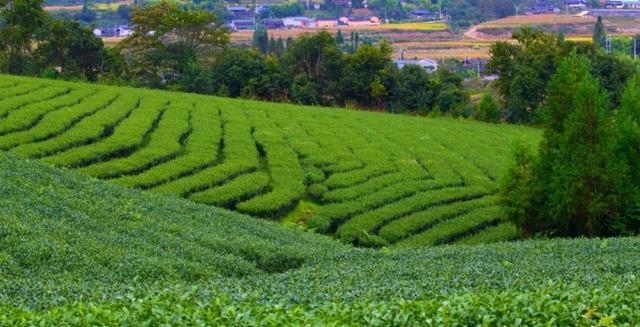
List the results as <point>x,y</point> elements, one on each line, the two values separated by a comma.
<point>473,33</point>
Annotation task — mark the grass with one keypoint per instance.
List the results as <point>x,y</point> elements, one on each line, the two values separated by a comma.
<point>76,251</point>
<point>267,160</point>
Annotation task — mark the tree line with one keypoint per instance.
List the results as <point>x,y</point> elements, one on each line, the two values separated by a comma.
<point>179,48</point>
<point>584,177</point>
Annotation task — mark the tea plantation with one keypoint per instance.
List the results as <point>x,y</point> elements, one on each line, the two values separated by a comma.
<point>370,179</point>
<point>75,251</point>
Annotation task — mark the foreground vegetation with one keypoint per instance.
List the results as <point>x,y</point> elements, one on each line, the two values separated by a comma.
<point>376,179</point>
<point>75,251</point>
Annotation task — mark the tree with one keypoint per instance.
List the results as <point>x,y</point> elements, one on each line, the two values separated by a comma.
<point>339,37</point>
<point>22,22</point>
<point>123,11</point>
<point>318,59</point>
<point>261,39</point>
<point>488,109</point>
<point>370,66</point>
<point>166,39</point>
<point>451,97</point>
<point>524,70</point>
<point>599,34</point>
<point>86,14</point>
<point>518,191</point>
<point>414,90</point>
<point>584,191</point>
<point>234,69</point>
<point>579,184</point>
<point>72,48</point>
<point>627,127</point>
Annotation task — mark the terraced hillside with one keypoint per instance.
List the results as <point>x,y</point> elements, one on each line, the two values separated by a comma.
<point>370,179</point>
<point>75,251</point>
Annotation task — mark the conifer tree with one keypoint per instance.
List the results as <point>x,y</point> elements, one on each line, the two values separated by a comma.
<point>580,184</point>
<point>599,34</point>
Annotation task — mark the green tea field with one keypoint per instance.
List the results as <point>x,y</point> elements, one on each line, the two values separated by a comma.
<point>369,179</point>
<point>75,251</point>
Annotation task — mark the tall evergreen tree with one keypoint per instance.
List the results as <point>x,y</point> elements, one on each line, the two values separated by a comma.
<point>579,184</point>
<point>261,40</point>
<point>584,191</point>
<point>599,34</point>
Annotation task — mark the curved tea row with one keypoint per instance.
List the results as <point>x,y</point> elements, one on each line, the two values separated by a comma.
<point>377,179</point>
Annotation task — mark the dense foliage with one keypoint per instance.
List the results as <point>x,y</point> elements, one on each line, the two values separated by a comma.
<point>583,182</point>
<point>376,179</point>
<point>525,69</point>
<point>76,251</point>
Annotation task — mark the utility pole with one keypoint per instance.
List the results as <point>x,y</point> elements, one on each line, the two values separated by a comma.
<point>635,37</point>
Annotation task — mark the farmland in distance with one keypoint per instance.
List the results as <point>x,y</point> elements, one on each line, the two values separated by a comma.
<point>370,179</point>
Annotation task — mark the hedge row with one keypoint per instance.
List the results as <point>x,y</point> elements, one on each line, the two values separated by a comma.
<point>371,221</point>
<point>502,232</point>
<point>86,131</point>
<point>23,113</point>
<point>285,170</point>
<point>450,229</point>
<point>334,214</point>
<point>28,94</point>
<point>422,220</point>
<point>56,122</point>
<point>405,173</point>
<point>239,189</point>
<point>164,143</point>
<point>10,89</point>
<point>126,138</point>
<point>201,150</point>
<point>239,156</point>
<point>355,177</point>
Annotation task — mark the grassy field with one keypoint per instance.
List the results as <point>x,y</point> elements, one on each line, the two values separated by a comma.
<point>75,251</point>
<point>373,179</point>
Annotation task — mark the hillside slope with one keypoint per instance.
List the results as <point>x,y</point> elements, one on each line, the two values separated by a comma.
<point>373,179</point>
<point>76,251</point>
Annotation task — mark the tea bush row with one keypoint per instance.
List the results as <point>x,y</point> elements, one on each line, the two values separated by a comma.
<point>405,173</point>
<point>334,214</point>
<point>554,304</point>
<point>239,156</point>
<point>164,143</point>
<point>28,114</point>
<point>126,138</point>
<point>422,220</point>
<point>29,94</point>
<point>56,122</point>
<point>88,130</point>
<point>356,229</point>
<point>239,189</point>
<point>502,232</point>
<point>447,230</point>
<point>202,149</point>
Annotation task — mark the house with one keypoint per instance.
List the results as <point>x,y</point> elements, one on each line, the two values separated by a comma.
<point>242,24</point>
<point>239,12</point>
<point>429,65</point>
<point>420,14</point>
<point>273,23</point>
<point>291,22</point>
<point>576,3</point>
